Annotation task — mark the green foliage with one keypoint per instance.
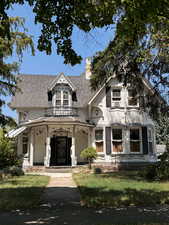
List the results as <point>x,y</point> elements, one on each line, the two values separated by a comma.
<point>13,40</point>
<point>158,171</point>
<point>23,192</point>
<point>13,171</point>
<point>8,155</point>
<point>162,130</point>
<point>120,189</point>
<point>90,154</point>
<point>140,38</point>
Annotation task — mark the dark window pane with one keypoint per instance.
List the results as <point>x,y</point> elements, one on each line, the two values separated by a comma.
<point>132,101</point>
<point>116,95</point>
<point>134,146</point>
<point>117,134</point>
<point>98,134</point>
<point>58,102</point>
<point>134,134</point>
<point>65,102</point>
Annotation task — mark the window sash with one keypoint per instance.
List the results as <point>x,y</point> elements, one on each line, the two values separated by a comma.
<point>135,134</point>
<point>116,94</point>
<point>99,135</point>
<point>115,133</point>
<point>132,99</point>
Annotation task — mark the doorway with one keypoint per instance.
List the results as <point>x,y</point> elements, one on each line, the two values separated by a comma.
<point>60,151</point>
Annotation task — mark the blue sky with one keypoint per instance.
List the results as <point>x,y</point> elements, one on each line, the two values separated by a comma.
<point>85,44</point>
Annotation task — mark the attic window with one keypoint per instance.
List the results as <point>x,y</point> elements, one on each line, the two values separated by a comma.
<point>132,98</point>
<point>62,98</point>
<point>58,98</point>
<point>116,95</point>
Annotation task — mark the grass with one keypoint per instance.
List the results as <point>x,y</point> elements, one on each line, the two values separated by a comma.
<point>120,189</point>
<point>22,192</point>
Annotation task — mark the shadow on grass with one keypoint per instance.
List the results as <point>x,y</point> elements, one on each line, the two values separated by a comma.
<point>98,197</point>
<point>64,211</point>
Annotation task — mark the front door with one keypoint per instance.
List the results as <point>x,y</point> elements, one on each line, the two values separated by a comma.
<point>60,151</point>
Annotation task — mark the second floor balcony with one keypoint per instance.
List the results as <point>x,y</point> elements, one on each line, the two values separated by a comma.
<point>61,111</point>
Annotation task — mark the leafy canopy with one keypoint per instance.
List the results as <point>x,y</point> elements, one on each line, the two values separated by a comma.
<point>140,41</point>
<point>14,42</point>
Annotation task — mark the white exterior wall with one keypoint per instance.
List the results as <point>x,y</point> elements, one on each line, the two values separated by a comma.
<point>120,116</point>
<point>81,143</point>
<point>39,145</point>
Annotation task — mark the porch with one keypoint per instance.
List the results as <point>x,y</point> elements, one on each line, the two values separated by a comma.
<point>55,145</point>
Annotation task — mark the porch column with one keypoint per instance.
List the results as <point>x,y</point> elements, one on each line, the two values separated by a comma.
<point>90,137</point>
<point>73,150</point>
<point>31,147</point>
<point>48,150</point>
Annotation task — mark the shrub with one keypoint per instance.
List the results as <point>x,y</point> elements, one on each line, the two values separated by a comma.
<point>89,154</point>
<point>160,170</point>
<point>14,171</point>
<point>8,155</point>
<point>97,170</point>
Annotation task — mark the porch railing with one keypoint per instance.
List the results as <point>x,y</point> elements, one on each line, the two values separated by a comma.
<point>61,111</point>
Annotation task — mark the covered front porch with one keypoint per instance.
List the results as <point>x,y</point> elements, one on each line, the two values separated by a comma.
<point>52,144</point>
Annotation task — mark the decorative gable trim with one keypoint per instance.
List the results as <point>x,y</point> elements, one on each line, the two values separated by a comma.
<point>61,79</point>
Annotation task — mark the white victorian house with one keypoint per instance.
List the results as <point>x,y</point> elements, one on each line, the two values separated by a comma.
<point>59,116</point>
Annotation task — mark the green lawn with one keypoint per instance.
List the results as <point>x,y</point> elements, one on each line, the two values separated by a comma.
<point>22,192</point>
<point>120,189</point>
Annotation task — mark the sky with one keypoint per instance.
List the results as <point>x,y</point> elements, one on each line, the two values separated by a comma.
<point>86,44</point>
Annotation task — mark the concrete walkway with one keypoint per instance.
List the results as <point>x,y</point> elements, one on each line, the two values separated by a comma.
<point>61,190</point>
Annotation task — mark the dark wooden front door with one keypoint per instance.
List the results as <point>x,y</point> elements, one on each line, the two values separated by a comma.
<point>60,151</point>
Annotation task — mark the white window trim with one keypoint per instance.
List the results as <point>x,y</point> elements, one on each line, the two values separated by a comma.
<point>103,140</point>
<point>140,137</point>
<point>115,101</point>
<point>123,142</point>
<point>69,99</point>
<point>128,97</point>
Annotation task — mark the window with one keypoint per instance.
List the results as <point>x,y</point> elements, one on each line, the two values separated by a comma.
<point>65,98</point>
<point>99,140</point>
<point>150,140</point>
<point>116,95</point>
<point>62,98</point>
<point>135,140</point>
<point>117,140</point>
<point>132,98</point>
<point>58,98</point>
<point>24,143</point>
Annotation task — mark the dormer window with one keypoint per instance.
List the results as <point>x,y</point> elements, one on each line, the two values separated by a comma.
<point>58,98</point>
<point>132,98</point>
<point>116,95</point>
<point>65,98</point>
<point>62,98</point>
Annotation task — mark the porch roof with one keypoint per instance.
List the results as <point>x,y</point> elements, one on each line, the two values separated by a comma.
<point>15,132</point>
<point>55,121</point>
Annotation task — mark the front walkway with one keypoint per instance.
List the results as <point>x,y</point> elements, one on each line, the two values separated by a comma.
<point>61,206</point>
<point>61,190</point>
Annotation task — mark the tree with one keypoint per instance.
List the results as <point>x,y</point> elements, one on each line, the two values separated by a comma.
<point>140,42</point>
<point>162,130</point>
<point>14,42</point>
<point>89,154</point>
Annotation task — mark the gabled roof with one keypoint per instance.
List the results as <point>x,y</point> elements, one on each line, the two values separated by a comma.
<point>34,90</point>
<point>61,78</point>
